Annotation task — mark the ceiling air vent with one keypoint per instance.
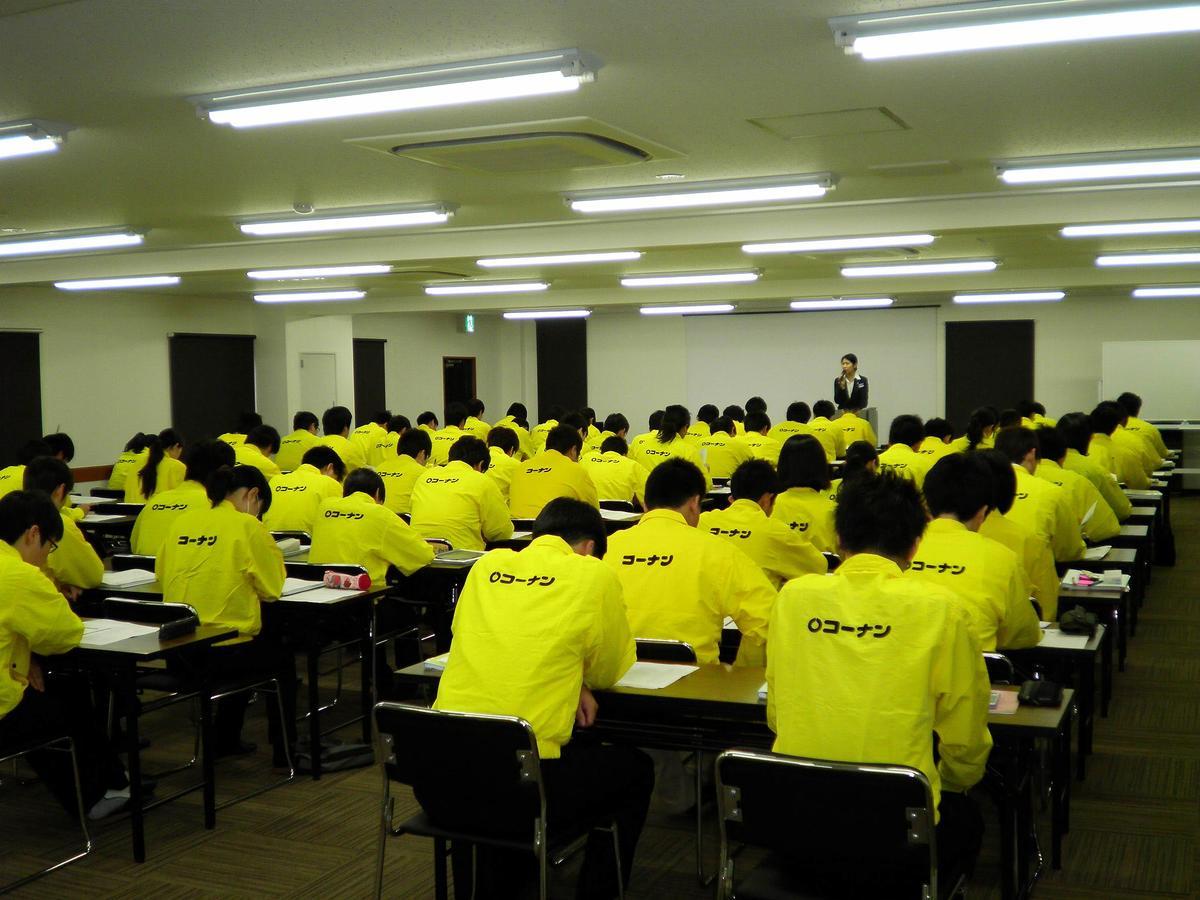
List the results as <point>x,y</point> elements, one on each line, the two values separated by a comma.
<point>534,151</point>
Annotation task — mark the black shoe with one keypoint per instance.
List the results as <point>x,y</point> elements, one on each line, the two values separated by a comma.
<point>234,748</point>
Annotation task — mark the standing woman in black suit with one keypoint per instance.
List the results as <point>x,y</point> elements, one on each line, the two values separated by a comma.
<point>850,389</point>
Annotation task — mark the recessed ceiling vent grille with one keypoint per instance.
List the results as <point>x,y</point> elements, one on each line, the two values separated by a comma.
<point>533,151</point>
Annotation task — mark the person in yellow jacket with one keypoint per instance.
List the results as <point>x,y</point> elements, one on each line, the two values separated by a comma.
<point>798,415</point>
<point>555,472</point>
<point>130,462</point>
<point>854,428</point>
<point>1132,404</point>
<point>303,438</point>
<point>615,425</point>
<point>669,443</point>
<point>762,446</point>
<point>428,422</point>
<point>201,460</point>
<point>1136,445</point>
<point>738,416</point>
<point>534,632</point>
<point>1042,506</point>
<point>368,434</point>
<point>74,565</point>
<point>540,432</point>
<point>162,469</point>
<point>701,427</point>
<point>517,419</point>
<point>805,504</point>
<point>12,478</point>
<point>357,528</point>
<point>1076,430</point>
<point>246,421</point>
<point>401,472</point>
<point>905,436</point>
<point>987,576</point>
<point>474,424</point>
<point>981,431</point>
<point>822,427</point>
<point>261,444</point>
<point>680,582</point>
<point>746,523</point>
<point>384,447</point>
<point>938,435</point>
<point>444,439</point>
<point>458,502</point>
<point>640,440</point>
<point>503,447</point>
<point>1115,453</point>
<point>335,422</point>
<point>297,495</point>
<point>1099,521</point>
<point>721,451</point>
<point>616,476</point>
<point>865,665</point>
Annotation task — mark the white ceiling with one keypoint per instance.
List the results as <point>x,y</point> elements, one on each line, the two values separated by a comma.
<point>683,80</point>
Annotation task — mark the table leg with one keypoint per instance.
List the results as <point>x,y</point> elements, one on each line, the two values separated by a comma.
<point>1060,794</point>
<point>314,715</point>
<point>206,760</point>
<point>1106,672</point>
<point>1009,831</point>
<point>1119,615</point>
<point>367,684</point>
<point>1086,695</point>
<point>128,683</point>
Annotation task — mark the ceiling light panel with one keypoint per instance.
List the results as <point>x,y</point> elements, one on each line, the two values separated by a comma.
<point>1101,167</point>
<point>921,268</point>
<point>481,287</point>
<point>1118,229</point>
<point>824,245</point>
<point>1149,259</point>
<point>842,303</point>
<point>696,310</point>
<point>699,278</point>
<point>28,139</point>
<point>741,192</point>
<point>1159,293</point>
<point>308,296</point>
<point>317,272</point>
<point>346,220</point>
<point>1011,297</point>
<point>112,284</point>
<point>558,259</point>
<point>548,314</point>
<point>38,245</point>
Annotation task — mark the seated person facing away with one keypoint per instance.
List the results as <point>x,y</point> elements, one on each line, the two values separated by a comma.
<point>161,470</point>
<point>827,432</point>
<point>805,504</point>
<point>336,424</point>
<point>738,415</point>
<point>541,431</point>
<point>615,425</point>
<point>443,440</point>
<point>73,565</point>
<point>1040,505</point>
<point>796,422</point>
<point>1129,450</point>
<point>223,562</point>
<point>846,646</point>
<point>904,438</point>
<point>861,460</point>
<point>758,424</point>
<point>262,443</point>
<point>1010,418</point>
<point>1132,404</point>
<point>722,451</point>
<point>246,421</point>
<point>987,576</point>
<point>1076,429</point>
<point>1086,501</point>
<point>680,582</point>
<point>746,523</point>
<point>701,426</point>
<point>368,434</point>
<point>503,446</point>
<point>200,462</point>
<point>1105,421</point>
<point>616,476</point>
<point>458,502</point>
<point>854,428</point>
<point>555,472</point>
<point>303,438</point>
<point>384,447</point>
<point>474,425</point>
<point>400,473</point>
<point>517,420</point>
<point>938,435</point>
<point>669,443</point>
<point>981,431</point>
<point>296,496</point>
<point>537,654</point>
<point>12,478</point>
<point>358,529</point>
<point>129,463</point>
<point>639,440</point>
<point>427,422</point>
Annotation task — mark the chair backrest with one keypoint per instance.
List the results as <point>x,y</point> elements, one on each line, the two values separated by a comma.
<point>439,544</point>
<point>469,771</point>
<point>833,559</point>
<point>522,524</point>
<point>619,505</point>
<point>149,612</point>
<point>109,493</point>
<point>303,537</point>
<point>659,650</point>
<point>316,571</point>
<point>122,562</point>
<point>869,828</point>
<point>999,668</point>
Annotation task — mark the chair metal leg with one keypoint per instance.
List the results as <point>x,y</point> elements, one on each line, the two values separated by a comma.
<point>705,880</point>
<point>441,888</point>
<point>275,685</point>
<point>616,839</point>
<point>385,822</point>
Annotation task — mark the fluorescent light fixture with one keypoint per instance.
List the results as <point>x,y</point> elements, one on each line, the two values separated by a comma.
<point>701,309</point>
<point>842,303</point>
<point>549,314</point>
<point>1177,290</point>
<point>1101,167</point>
<point>28,139</point>
<point>1011,297</point>
<point>308,296</point>
<point>317,272</point>
<point>641,281</point>
<point>849,243</point>
<point>558,259</point>
<point>51,243</point>
<point>1150,259</point>
<point>454,84</point>
<point>111,284</point>
<point>1116,229</point>
<point>346,220</point>
<point>920,268</point>
<point>986,26</point>
<point>739,192</point>
<point>485,287</point>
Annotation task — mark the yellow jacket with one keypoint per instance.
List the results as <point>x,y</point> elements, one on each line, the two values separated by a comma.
<point>1144,429</point>
<point>548,475</point>
<point>532,628</point>
<point>359,531</point>
<point>1100,449</point>
<point>476,428</point>
<point>1037,560</point>
<point>697,432</point>
<point>1046,508</point>
<point>762,446</point>
<point>443,440</point>
<point>296,497</point>
<point>126,464</point>
<point>292,448</point>
<point>75,562</point>
<point>616,477</point>
<point>787,429</point>
<point>364,438</point>
<point>350,455</point>
<point>986,576</point>
<point>830,436</point>
<point>461,505</point>
<point>12,478</point>
<point>865,665</point>
<point>653,452</point>
<point>1138,448</point>
<point>525,450</point>
<point>962,444</point>
<point>932,449</point>
<point>723,454</point>
<point>1118,459</point>
<point>154,521</point>
<point>400,474</point>
<point>501,469</point>
<point>232,438</point>
<point>1102,480</point>
<point>638,441</point>
<point>171,473</point>
<point>903,460</point>
<point>809,513</point>
<point>680,583</point>
<point>249,455</point>
<point>781,553</point>
<point>34,617</point>
<point>595,438</point>
<point>1083,495</point>
<point>384,447</point>
<point>853,428</point>
<point>222,562</point>
<point>537,436</point>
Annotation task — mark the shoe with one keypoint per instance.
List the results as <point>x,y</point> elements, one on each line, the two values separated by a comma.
<point>234,748</point>
<point>113,802</point>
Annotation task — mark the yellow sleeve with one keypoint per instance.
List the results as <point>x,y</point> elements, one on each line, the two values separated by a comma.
<point>793,556</point>
<point>495,521</point>
<point>775,629</point>
<point>747,594</point>
<point>42,615</point>
<point>612,650</point>
<point>74,513</point>
<point>265,566</point>
<point>1019,627</point>
<point>1121,505</point>
<point>1068,539</point>
<point>1103,524</point>
<point>1130,471</point>
<point>1046,582</point>
<point>587,488</point>
<point>75,562</point>
<point>403,547</point>
<point>173,475</point>
<point>960,718</point>
<point>1156,441</point>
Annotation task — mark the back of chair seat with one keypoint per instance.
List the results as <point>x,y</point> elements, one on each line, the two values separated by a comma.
<point>148,612</point>
<point>658,650</point>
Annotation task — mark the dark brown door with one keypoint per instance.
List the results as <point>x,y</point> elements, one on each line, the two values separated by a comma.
<point>987,364</point>
<point>20,392</point>
<point>458,380</point>
<point>370,388</point>
<point>212,383</point>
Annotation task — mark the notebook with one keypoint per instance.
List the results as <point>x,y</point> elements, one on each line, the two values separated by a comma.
<point>127,578</point>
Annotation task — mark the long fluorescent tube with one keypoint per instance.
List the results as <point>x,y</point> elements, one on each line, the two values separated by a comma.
<point>641,281</point>
<point>920,268</point>
<point>558,259</point>
<point>69,243</point>
<point>986,26</point>
<point>478,81</point>
<point>549,314</point>
<point>1181,226</point>
<point>1179,290</point>
<point>1011,297</point>
<point>357,221</point>
<point>741,192</point>
<point>27,139</point>
<point>835,303</point>
<point>110,284</point>
<point>852,243</point>
<point>1101,167</point>
<point>308,296</point>
<point>687,310</point>
<point>466,287</point>
<point>317,272</point>
<point>1149,259</point>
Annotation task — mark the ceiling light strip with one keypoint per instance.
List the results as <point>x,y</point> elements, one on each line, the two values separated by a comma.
<point>739,192</point>
<point>466,288</point>
<point>835,303</point>
<point>1159,293</point>
<point>308,296</point>
<point>644,281</point>
<point>700,309</point>
<point>68,243</point>
<point>852,243</point>
<point>356,221</point>
<point>558,259</point>
<point>317,272</point>
<point>1149,259</point>
<point>110,284</point>
<point>1011,297</point>
<point>548,314</point>
<point>921,268</point>
<point>1117,229</point>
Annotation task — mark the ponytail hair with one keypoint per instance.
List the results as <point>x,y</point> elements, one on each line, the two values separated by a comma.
<point>675,419</point>
<point>980,419</point>
<point>225,480</point>
<point>148,476</point>
<point>137,443</point>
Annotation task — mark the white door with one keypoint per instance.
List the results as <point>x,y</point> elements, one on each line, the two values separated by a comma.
<point>318,381</point>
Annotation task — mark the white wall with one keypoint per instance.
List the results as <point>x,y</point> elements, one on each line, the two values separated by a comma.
<point>319,334</point>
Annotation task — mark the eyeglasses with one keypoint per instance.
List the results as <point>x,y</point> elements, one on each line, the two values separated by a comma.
<point>53,545</point>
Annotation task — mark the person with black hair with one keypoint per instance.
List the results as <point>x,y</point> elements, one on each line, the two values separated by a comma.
<point>385,447</point>
<point>781,553</point>
<point>474,424</point>
<point>517,419</point>
<point>722,451</point>
<point>61,446</point>
<point>458,502</point>
<point>988,577</point>
<point>262,443</point>
<point>503,446</point>
<point>297,495</point>
<point>680,582</point>
<point>74,565</point>
<point>1076,429</point>
<point>537,654</point>
<point>445,437</point>
<point>865,665</point>
<point>851,427</point>
<point>938,435</point>
<point>616,476</point>
<point>1099,521</point>
<point>1010,418</point>
<point>428,421</point>
<point>851,390</point>
<point>162,471</point>
<point>201,460</point>
<point>615,425</point>
<point>981,431</point>
<point>1132,404</point>
<point>701,426</point>
<point>756,437</point>
<point>735,412</point>
<point>130,462</point>
<point>401,472</point>
<point>822,427</point>
<point>904,437</point>
<point>640,440</point>
<point>555,472</point>
<point>806,504</point>
<point>795,422</point>
<point>1132,454</point>
<point>669,443</point>
<point>245,421</point>
<point>370,433</point>
<point>335,422</point>
<point>13,477</point>
<point>540,432</point>
<point>756,404</point>
<point>1040,505</point>
<point>304,436</point>
<point>862,460</point>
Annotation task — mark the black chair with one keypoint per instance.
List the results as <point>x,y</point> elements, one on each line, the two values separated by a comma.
<point>867,830</point>
<point>659,650</point>
<point>493,760</point>
<point>122,562</point>
<point>618,505</point>
<point>108,493</point>
<point>999,668</point>
<point>833,559</point>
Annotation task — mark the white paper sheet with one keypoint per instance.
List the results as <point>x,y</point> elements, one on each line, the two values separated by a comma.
<point>82,500</point>
<point>1097,553</point>
<point>619,515</point>
<point>1052,637</point>
<point>127,578</point>
<point>97,632</point>
<point>1087,516</point>
<point>651,676</point>
<point>322,594</point>
<point>92,518</point>
<point>297,585</point>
